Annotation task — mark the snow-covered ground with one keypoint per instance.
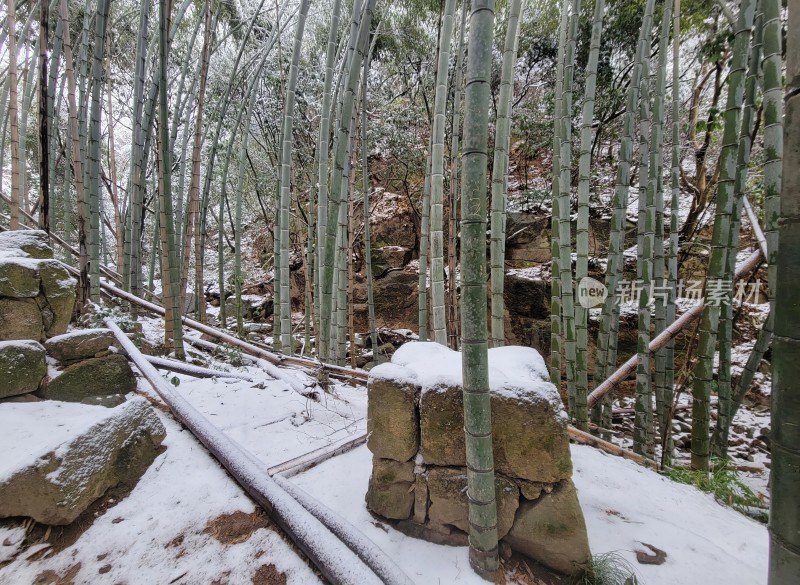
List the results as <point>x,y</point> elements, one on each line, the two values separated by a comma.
<point>165,530</point>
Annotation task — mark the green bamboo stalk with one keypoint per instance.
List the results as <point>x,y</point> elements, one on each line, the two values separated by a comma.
<point>453,199</point>
<point>709,322</point>
<point>424,233</point>
<point>483,553</point>
<point>773,147</point>
<point>323,143</point>
<point>502,142</point>
<point>724,387</point>
<point>582,231</point>
<point>132,266</point>
<point>95,201</point>
<point>437,177</point>
<point>555,250</point>
<point>609,322</point>
<point>784,517</point>
<point>358,42</point>
<point>286,161</point>
<point>373,332</point>
<point>659,257</point>
<point>44,120</point>
<point>170,292</point>
<point>564,226</point>
<point>16,195</point>
<point>674,235</point>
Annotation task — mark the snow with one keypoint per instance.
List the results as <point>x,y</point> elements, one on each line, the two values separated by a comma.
<point>139,539</point>
<point>515,372</point>
<point>624,505</point>
<point>24,439</point>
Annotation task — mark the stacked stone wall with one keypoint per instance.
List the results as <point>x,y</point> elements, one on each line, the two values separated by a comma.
<point>419,476</point>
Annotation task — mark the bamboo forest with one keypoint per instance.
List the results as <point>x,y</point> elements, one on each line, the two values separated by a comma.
<point>424,292</point>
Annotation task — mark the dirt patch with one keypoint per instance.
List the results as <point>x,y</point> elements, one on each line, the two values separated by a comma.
<point>53,578</point>
<point>236,527</point>
<point>269,575</point>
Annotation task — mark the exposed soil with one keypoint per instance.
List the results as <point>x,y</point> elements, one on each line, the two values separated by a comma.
<point>237,527</point>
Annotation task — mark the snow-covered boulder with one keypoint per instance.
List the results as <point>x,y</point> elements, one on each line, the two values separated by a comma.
<point>26,243</point>
<point>79,344</point>
<point>57,458</point>
<point>22,367</point>
<point>37,294</point>
<point>419,477</point>
<point>101,376</point>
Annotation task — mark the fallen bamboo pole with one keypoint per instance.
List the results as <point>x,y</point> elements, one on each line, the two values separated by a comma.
<point>309,460</point>
<point>192,370</point>
<point>587,439</point>
<point>661,340</point>
<point>338,563</point>
<point>273,358</point>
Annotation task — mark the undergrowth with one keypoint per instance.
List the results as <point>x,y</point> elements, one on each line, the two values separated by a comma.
<point>610,569</point>
<point>723,482</point>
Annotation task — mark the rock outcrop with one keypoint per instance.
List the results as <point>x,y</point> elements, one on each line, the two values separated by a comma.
<point>65,456</point>
<point>416,436</point>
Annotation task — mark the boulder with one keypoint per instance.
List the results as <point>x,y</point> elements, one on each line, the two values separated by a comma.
<point>26,243</point>
<point>59,292</point>
<point>65,456</point>
<point>552,530</point>
<point>93,377</point>
<point>20,319</point>
<point>22,367</point>
<point>79,345</point>
<point>390,492</point>
<point>19,278</point>
<point>392,420</point>
<point>447,491</point>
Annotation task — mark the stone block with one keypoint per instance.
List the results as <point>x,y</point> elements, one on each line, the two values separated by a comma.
<point>22,367</point>
<point>93,377</point>
<point>391,489</point>
<point>447,491</point>
<point>552,530</point>
<point>79,345</point>
<point>59,294</point>
<point>392,420</point>
<point>530,439</point>
<point>19,278</point>
<point>20,319</point>
<point>68,455</point>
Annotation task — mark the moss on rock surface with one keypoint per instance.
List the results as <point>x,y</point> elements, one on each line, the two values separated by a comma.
<point>392,421</point>
<point>551,529</point>
<point>22,367</point>
<point>94,377</point>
